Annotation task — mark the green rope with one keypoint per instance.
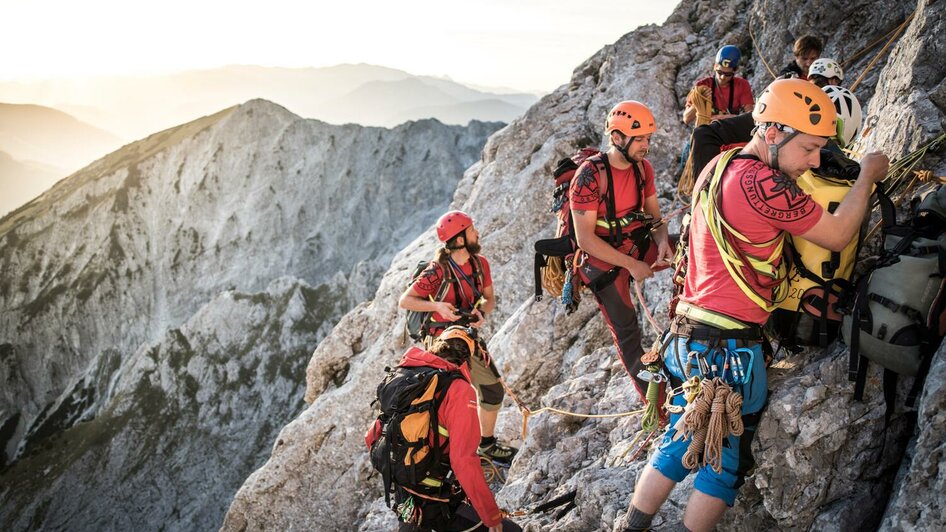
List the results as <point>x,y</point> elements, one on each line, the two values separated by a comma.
<point>651,418</point>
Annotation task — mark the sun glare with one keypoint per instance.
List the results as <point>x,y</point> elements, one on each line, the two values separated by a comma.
<point>524,44</point>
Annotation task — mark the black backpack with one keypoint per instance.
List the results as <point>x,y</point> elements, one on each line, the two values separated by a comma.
<point>407,453</point>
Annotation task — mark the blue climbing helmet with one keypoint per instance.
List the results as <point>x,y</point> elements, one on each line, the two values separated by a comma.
<point>728,56</point>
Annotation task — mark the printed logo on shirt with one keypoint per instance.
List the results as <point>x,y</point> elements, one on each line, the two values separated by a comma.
<point>586,186</point>
<point>775,195</point>
<point>430,280</point>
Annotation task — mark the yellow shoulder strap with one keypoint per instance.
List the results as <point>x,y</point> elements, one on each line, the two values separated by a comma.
<point>732,259</point>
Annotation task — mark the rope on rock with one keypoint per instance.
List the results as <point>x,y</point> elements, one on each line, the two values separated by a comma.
<point>883,50</point>
<point>863,51</point>
<point>527,412</point>
<point>714,414</point>
<point>491,472</point>
<point>759,52</point>
<point>701,98</point>
<point>904,169</point>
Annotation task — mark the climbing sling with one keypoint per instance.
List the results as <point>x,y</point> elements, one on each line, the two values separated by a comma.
<point>770,273</point>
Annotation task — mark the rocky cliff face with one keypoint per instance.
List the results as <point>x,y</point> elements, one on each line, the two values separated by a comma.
<point>157,307</point>
<point>824,461</point>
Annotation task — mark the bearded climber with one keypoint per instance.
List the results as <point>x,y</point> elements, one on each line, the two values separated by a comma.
<point>470,293</point>
<point>614,205</point>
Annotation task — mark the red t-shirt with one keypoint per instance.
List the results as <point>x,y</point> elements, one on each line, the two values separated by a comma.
<point>429,281</point>
<point>584,194</point>
<point>758,202</point>
<point>741,95</point>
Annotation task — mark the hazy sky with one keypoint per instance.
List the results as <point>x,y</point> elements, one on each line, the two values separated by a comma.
<point>523,44</point>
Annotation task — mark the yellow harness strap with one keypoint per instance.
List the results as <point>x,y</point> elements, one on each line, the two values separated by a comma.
<point>707,201</point>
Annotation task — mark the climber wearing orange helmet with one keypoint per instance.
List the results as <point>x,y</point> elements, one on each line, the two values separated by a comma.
<point>744,204</point>
<point>617,246</point>
<point>467,299</point>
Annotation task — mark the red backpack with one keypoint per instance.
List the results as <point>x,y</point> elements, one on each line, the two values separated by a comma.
<point>553,256</point>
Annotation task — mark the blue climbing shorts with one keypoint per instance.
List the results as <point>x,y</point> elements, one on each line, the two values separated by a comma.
<point>749,379</point>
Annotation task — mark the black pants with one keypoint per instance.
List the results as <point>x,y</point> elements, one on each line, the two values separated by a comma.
<point>708,139</point>
<point>617,308</point>
<point>464,519</point>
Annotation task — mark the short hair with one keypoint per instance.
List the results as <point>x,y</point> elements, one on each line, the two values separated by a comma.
<point>806,44</point>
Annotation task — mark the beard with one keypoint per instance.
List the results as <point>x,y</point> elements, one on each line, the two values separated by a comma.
<point>473,248</point>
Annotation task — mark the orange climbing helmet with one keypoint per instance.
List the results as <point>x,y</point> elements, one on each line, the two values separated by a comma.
<point>631,118</point>
<point>798,104</point>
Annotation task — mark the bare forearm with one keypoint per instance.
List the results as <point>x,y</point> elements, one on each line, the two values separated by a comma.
<point>417,304</point>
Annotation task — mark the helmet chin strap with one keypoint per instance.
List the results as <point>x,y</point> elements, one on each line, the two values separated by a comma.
<point>774,148</point>
<point>623,150</point>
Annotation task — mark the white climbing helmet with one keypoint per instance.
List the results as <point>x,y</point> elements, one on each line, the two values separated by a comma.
<point>829,68</point>
<point>849,113</point>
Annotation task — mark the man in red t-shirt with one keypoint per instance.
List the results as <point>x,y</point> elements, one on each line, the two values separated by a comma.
<point>742,211</point>
<point>468,298</point>
<point>732,94</point>
<point>614,251</point>
<point>456,414</point>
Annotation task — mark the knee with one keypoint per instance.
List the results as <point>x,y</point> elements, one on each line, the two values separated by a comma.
<point>491,396</point>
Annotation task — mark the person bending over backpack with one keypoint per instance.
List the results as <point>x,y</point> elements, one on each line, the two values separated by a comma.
<point>745,205</point>
<point>461,499</point>
<point>467,298</point>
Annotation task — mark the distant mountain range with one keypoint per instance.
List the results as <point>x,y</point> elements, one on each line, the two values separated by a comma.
<point>212,256</point>
<point>39,146</point>
<point>133,107</point>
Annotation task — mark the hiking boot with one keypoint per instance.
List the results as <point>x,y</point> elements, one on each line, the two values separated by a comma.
<point>497,452</point>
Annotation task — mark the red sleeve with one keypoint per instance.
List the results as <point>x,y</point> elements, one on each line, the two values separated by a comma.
<point>650,186</point>
<point>429,281</point>
<point>743,93</point>
<point>459,416</point>
<point>778,199</point>
<point>583,193</point>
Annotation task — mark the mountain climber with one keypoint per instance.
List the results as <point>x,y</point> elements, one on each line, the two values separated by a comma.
<point>459,437</point>
<point>824,71</point>
<point>730,94</point>
<point>807,48</point>
<point>470,297</point>
<point>743,207</point>
<point>611,255</point>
